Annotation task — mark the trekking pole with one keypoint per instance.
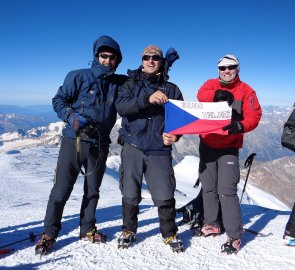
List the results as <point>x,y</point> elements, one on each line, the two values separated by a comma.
<point>248,164</point>
<point>31,237</point>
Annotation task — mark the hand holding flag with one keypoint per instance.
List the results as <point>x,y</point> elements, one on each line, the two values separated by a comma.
<point>158,98</point>
<point>169,139</point>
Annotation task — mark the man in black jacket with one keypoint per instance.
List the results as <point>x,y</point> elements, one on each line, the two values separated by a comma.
<point>146,149</point>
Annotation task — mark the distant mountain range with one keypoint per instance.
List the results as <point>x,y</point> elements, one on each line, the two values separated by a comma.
<point>22,119</point>
<point>264,140</point>
<point>275,176</point>
<point>26,110</point>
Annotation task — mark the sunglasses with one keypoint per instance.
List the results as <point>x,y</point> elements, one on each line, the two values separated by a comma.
<point>155,57</point>
<point>106,56</point>
<point>223,68</point>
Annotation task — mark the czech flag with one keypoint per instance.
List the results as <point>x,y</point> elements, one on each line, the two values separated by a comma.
<point>187,117</point>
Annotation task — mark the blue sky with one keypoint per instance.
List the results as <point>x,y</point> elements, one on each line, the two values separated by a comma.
<point>42,40</point>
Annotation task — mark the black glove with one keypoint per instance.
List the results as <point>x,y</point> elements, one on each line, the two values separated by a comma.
<point>223,95</point>
<point>234,127</point>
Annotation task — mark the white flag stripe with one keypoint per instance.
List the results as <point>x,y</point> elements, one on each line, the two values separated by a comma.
<point>205,110</point>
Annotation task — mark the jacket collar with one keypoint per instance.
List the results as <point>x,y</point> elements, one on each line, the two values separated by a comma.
<point>99,70</point>
<point>231,84</point>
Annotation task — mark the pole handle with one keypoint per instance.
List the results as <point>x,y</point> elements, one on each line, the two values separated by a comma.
<point>247,164</point>
<point>249,160</point>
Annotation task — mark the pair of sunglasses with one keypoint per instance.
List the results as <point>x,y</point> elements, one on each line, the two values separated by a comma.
<point>106,56</point>
<point>223,68</point>
<point>154,57</point>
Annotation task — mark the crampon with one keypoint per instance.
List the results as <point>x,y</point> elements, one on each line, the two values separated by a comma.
<point>126,239</point>
<point>175,243</point>
<point>44,245</point>
<point>94,236</point>
<point>231,246</point>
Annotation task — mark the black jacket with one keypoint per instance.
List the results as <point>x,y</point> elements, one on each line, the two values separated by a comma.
<point>142,122</point>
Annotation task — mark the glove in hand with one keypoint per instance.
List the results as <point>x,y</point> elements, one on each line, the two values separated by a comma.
<point>235,127</point>
<point>223,95</point>
<point>77,121</point>
<point>171,56</point>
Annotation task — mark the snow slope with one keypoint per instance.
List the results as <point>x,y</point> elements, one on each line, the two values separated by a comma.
<point>26,180</point>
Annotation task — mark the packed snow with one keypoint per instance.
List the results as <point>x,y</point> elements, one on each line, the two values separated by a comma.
<point>26,178</point>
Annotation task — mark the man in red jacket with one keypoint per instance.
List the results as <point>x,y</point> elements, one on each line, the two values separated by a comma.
<point>219,170</point>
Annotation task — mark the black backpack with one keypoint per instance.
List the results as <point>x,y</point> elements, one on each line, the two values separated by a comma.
<point>193,211</point>
<point>288,136</point>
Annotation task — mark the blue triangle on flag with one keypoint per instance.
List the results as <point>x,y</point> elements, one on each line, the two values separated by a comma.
<point>175,117</point>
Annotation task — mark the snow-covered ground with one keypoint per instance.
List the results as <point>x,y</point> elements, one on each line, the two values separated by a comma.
<point>25,183</point>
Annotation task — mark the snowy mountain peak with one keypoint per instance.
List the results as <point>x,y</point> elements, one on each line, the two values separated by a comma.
<point>34,137</point>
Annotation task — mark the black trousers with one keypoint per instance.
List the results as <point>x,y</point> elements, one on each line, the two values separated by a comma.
<point>67,171</point>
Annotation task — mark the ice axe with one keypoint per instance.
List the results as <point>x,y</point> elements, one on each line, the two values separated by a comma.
<point>248,164</point>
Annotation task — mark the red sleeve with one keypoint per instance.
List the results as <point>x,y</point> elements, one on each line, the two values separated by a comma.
<point>251,110</point>
<point>206,92</point>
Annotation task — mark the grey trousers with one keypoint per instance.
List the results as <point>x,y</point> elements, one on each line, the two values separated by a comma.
<point>158,173</point>
<point>219,173</point>
<point>159,176</point>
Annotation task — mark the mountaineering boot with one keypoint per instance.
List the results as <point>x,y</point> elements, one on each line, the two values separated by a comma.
<point>174,242</point>
<point>94,236</point>
<point>196,229</point>
<point>44,245</point>
<point>126,239</point>
<point>289,240</point>
<point>208,230</point>
<point>231,246</point>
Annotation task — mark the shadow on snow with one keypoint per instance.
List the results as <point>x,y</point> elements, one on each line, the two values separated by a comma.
<point>113,213</point>
<point>265,216</point>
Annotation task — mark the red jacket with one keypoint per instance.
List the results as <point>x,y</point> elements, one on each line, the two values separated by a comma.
<point>246,109</point>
